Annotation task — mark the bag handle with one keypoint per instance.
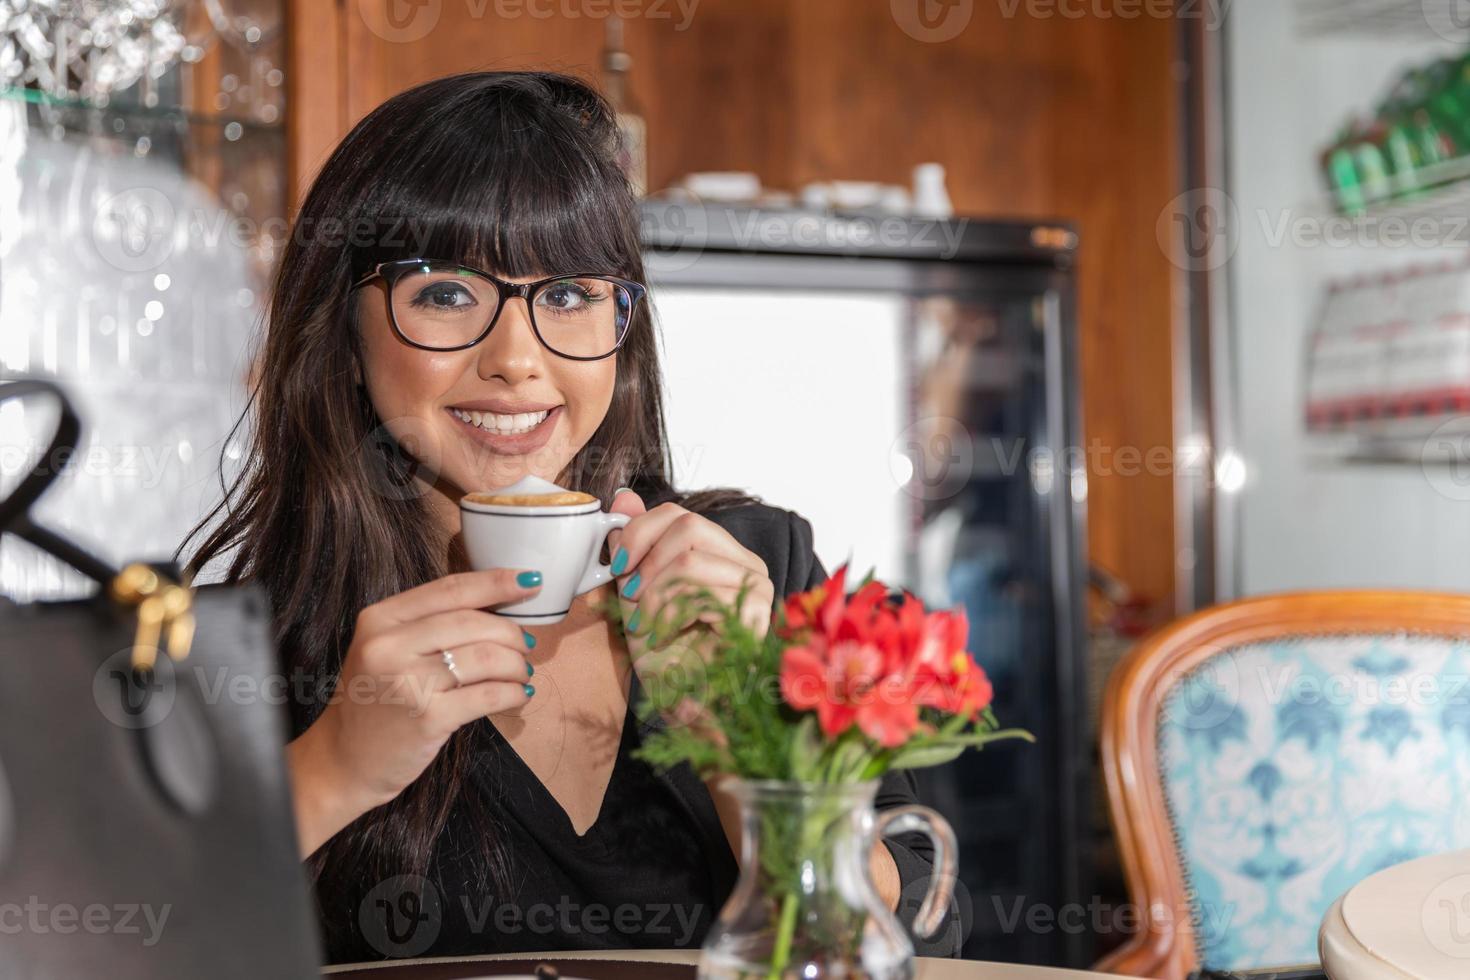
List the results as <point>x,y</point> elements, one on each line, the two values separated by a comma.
<point>15,509</point>
<point>163,606</point>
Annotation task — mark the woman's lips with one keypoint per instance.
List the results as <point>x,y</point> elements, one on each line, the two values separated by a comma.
<point>511,445</point>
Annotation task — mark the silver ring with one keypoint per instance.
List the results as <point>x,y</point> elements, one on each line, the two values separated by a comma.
<point>448,659</point>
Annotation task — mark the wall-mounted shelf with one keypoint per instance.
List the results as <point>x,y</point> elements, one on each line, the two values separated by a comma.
<point>1384,19</point>
<point>1438,213</point>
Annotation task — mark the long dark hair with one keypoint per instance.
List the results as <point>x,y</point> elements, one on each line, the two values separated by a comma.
<point>515,171</point>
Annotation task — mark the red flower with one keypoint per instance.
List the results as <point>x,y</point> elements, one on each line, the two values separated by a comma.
<point>845,684</point>
<point>859,660</point>
<point>943,673</point>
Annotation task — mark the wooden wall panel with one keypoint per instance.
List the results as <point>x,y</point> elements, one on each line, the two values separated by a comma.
<point>316,85</point>
<point>1033,117</point>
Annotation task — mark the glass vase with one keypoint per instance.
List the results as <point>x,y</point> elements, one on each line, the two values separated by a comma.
<point>805,905</point>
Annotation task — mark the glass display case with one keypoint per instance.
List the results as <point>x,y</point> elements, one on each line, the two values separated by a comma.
<point>910,387</point>
<point>142,206</point>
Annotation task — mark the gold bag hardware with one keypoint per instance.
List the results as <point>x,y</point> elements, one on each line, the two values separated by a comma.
<point>164,609</point>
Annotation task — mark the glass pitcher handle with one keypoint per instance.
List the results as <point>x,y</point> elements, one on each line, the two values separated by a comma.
<point>915,818</point>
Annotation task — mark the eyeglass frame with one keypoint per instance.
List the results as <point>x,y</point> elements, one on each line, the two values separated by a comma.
<point>505,291</point>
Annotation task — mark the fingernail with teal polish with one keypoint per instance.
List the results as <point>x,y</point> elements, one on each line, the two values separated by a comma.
<point>620,561</point>
<point>530,690</point>
<point>530,640</point>
<point>527,579</point>
<point>633,620</point>
<point>620,490</point>
<point>632,585</point>
<point>530,671</point>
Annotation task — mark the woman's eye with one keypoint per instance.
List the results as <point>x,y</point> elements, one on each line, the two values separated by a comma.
<point>565,297</point>
<point>443,296</point>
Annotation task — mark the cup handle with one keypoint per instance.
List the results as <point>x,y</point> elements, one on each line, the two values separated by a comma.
<point>597,573</point>
<point>906,819</point>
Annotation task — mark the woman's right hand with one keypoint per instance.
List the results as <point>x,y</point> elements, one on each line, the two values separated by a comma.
<point>397,702</point>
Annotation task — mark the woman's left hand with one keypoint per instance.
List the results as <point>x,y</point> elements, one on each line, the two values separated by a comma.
<point>671,552</point>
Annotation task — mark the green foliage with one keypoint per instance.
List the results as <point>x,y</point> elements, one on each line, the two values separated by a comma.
<point>718,691</point>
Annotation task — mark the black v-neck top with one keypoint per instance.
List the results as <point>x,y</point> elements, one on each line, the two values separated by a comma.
<point>648,873</point>
<point>654,869</point>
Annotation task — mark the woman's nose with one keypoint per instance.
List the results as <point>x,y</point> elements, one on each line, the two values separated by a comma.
<point>511,350</point>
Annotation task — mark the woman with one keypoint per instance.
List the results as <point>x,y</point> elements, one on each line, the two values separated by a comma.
<point>489,803</point>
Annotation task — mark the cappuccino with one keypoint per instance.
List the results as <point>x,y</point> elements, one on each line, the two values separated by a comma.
<point>560,498</point>
<point>535,524</point>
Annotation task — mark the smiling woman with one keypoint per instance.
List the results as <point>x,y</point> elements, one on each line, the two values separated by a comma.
<point>495,326</point>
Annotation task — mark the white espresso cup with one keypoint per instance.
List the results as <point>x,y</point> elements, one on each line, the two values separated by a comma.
<point>562,542</point>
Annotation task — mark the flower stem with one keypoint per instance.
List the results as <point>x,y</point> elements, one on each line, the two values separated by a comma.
<point>785,928</point>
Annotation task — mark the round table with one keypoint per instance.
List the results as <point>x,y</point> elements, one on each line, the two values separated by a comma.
<point>449,968</point>
<point>1407,922</point>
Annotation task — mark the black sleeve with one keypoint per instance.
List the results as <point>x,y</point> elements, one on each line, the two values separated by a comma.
<point>805,570</point>
<point>912,853</point>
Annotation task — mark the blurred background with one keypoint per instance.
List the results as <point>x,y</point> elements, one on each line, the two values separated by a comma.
<point>1083,314</point>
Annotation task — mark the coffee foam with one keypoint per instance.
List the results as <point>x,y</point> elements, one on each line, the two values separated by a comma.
<point>560,498</point>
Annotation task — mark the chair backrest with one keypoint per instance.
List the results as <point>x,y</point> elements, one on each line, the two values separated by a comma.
<point>1261,757</point>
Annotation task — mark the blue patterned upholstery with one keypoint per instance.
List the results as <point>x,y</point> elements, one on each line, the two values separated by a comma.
<point>1294,769</point>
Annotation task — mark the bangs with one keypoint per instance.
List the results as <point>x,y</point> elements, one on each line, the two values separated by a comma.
<point>504,191</point>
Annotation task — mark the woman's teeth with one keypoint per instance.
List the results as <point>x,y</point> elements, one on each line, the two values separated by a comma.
<point>505,425</point>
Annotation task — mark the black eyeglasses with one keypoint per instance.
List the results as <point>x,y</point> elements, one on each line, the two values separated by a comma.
<point>439,305</point>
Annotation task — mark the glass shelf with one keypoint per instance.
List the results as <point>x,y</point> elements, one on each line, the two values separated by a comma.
<point>128,115</point>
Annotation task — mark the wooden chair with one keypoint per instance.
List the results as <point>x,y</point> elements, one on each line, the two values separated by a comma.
<point>1346,753</point>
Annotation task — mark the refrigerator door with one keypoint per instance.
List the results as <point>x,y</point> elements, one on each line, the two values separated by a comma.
<point>998,522</point>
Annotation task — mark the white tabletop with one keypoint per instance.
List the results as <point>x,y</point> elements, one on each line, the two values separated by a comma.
<point>1408,922</point>
<point>926,968</point>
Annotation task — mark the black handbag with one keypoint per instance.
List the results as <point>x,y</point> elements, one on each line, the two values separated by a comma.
<point>146,828</point>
